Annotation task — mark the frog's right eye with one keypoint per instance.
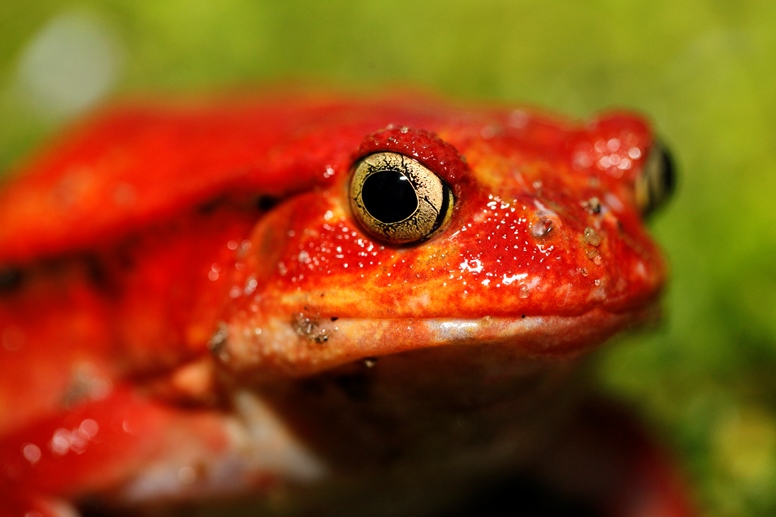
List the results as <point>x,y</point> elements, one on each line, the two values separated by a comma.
<point>399,200</point>
<point>657,181</point>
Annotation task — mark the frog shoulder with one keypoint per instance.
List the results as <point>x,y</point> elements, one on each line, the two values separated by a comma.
<point>131,164</point>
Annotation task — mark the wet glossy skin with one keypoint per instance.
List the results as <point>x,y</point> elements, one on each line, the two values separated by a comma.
<point>182,265</point>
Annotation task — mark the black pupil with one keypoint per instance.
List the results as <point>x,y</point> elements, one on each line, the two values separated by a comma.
<point>389,197</point>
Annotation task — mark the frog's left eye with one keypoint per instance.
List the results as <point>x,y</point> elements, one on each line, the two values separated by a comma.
<point>399,200</point>
<point>657,181</point>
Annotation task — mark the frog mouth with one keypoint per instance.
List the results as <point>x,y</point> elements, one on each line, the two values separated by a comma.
<point>310,345</point>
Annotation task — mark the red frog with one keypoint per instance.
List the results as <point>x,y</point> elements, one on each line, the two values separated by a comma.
<point>326,304</point>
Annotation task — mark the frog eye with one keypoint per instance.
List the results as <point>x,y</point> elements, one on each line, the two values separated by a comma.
<point>397,199</point>
<point>657,181</point>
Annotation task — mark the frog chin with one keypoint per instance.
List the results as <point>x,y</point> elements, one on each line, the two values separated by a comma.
<point>274,347</point>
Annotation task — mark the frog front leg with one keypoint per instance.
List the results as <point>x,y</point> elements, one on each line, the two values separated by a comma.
<point>127,448</point>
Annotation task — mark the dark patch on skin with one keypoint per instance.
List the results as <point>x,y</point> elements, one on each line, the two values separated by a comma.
<point>101,271</point>
<point>210,206</point>
<point>96,272</point>
<point>11,279</point>
<point>592,205</point>
<point>310,328</point>
<point>266,203</point>
<point>124,255</point>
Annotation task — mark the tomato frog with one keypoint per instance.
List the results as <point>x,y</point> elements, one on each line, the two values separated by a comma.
<point>314,303</point>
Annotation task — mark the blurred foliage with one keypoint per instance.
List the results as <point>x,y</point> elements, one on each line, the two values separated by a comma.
<point>703,70</point>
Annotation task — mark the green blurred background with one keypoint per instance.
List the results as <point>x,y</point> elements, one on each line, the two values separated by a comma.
<point>705,71</point>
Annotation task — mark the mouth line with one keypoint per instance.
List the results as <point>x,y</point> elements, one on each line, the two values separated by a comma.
<point>535,335</point>
<point>312,345</point>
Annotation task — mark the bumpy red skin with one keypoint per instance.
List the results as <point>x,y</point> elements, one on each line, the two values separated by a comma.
<point>141,246</point>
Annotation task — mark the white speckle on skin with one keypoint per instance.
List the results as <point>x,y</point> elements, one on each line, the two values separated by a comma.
<point>250,286</point>
<point>472,266</point>
<point>614,202</point>
<point>419,302</point>
<point>507,280</point>
<point>60,442</point>
<point>581,160</point>
<point>454,330</point>
<point>31,452</point>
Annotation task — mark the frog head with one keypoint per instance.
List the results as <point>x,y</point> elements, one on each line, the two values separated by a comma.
<point>518,232</point>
